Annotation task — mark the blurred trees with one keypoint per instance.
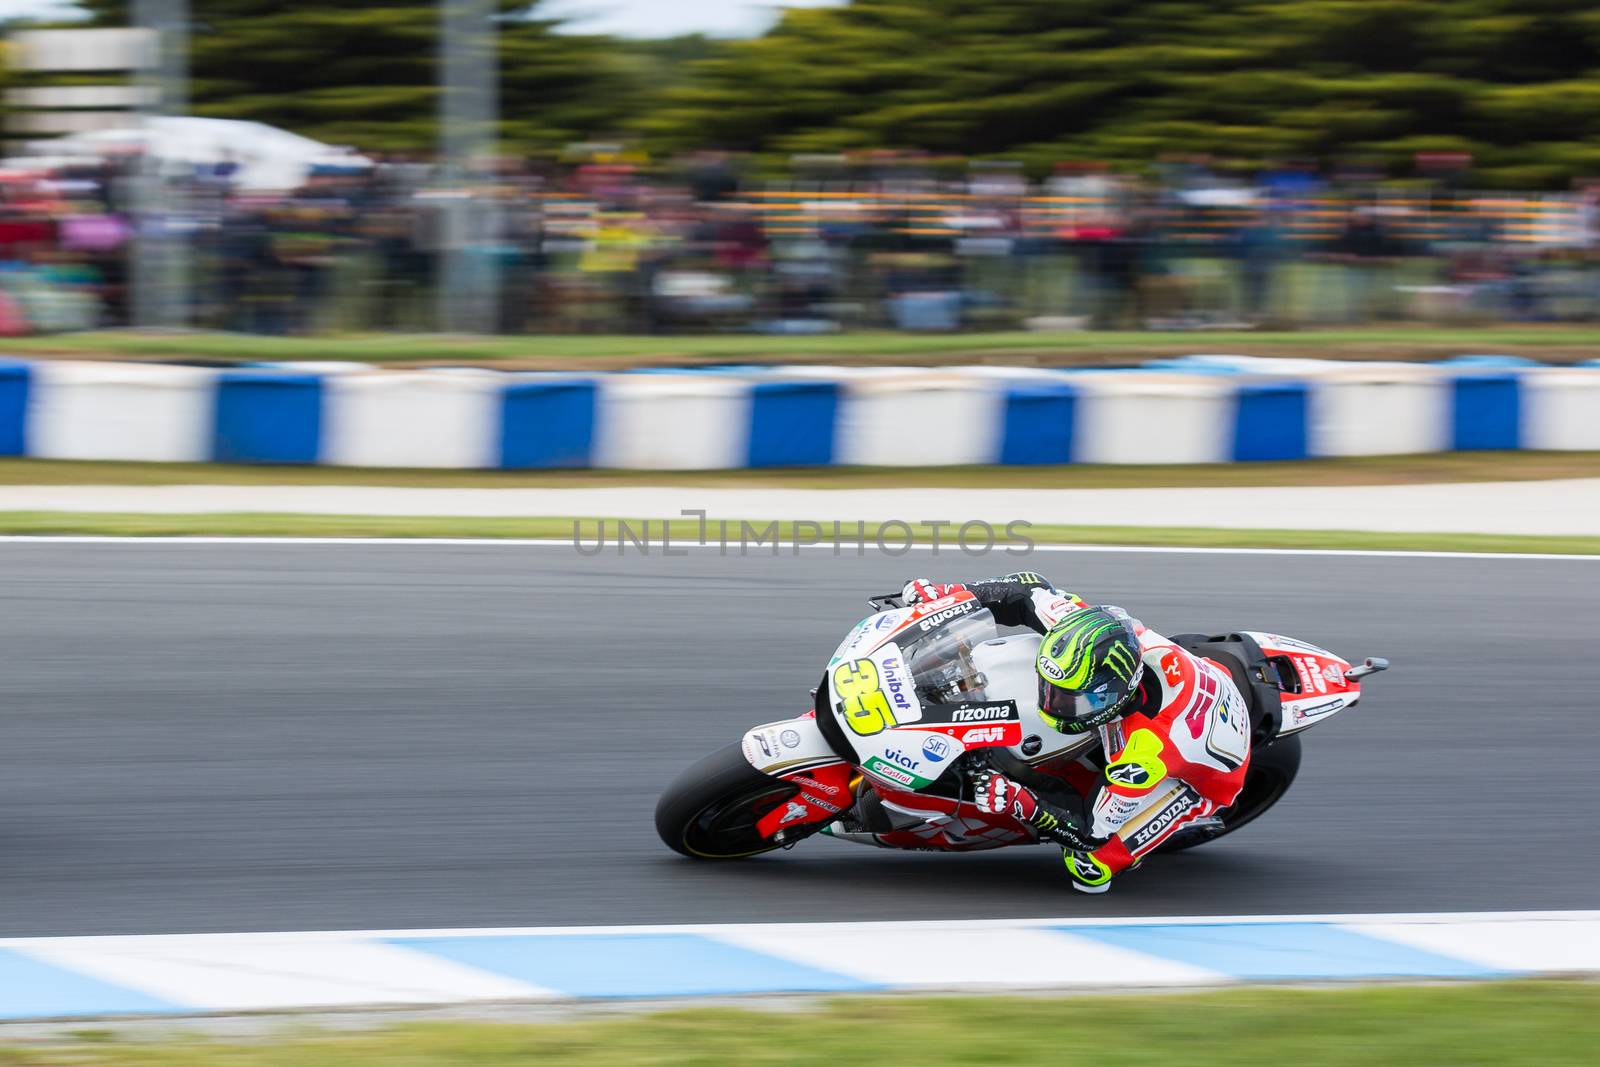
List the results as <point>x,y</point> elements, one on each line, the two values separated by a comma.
<point>1514,82</point>
<point>363,72</point>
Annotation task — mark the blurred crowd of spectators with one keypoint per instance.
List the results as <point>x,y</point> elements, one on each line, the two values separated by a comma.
<point>607,243</point>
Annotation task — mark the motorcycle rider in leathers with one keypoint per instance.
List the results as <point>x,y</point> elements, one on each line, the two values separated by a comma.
<point>1174,730</point>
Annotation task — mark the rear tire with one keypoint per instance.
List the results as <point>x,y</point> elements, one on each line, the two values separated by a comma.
<point>709,812</point>
<point>1272,772</point>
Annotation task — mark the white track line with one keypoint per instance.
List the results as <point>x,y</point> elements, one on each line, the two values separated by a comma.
<point>848,549</point>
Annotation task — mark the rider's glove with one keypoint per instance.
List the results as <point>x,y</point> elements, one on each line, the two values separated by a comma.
<point>996,794</point>
<point>922,591</point>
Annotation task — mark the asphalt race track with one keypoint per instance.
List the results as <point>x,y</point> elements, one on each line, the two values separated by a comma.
<point>254,737</point>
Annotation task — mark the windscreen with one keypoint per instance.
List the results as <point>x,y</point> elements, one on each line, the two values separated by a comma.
<point>941,661</point>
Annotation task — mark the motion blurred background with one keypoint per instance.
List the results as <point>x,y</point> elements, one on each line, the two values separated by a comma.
<point>624,166</point>
<point>1170,274</point>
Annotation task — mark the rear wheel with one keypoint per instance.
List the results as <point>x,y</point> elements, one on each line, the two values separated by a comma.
<point>1272,771</point>
<point>710,811</point>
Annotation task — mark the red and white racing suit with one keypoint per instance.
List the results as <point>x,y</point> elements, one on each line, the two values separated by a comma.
<point>1166,769</point>
<point>1179,756</point>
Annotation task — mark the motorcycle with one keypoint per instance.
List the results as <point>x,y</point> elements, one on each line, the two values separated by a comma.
<point>916,694</point>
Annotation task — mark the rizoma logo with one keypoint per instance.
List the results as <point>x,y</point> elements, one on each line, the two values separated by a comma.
<point>942,617</point>
<point>894,774</point>
<point>896,756</point>
<point>982,713</point>
<point>893,684</point>
<point>983,735</point>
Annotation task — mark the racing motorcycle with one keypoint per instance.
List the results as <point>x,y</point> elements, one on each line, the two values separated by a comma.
<point>916,694</point>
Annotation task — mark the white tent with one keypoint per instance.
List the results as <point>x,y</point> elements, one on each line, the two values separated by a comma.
<point>264,157</point>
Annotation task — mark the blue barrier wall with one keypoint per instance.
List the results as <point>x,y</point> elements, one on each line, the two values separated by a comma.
<point>14,380</point>
<point>793,424</point>
<point>548,424</point>
<point>1487,412</point>
<point>1270,421</point>
<point>777,418</point>
<point>1040,420</point>
<point>267,417</point>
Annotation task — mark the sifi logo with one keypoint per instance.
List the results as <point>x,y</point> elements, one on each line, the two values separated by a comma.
<point>936,748</point>
<point>983,735</point>
<point>896,756</point>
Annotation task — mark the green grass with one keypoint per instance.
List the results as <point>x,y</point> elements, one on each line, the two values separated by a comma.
<point>1562,343</point>
<point>1548,1024</point>
<point>1367,470</point>
<point>647,534</point>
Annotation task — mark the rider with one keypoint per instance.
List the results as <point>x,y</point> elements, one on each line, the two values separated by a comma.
<point>1174,730</point>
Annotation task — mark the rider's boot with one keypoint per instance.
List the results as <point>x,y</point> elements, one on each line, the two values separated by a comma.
<point>1088,874</point>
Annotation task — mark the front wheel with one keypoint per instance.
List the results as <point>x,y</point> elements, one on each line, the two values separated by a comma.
<point>710,811</point>
<point>1272,771</point>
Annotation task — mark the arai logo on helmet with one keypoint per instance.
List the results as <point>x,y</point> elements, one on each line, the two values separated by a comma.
<point>1048,668</point>
<point>936,748</point>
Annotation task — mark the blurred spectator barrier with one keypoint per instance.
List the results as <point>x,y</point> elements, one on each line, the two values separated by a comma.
<point>1199,409</point>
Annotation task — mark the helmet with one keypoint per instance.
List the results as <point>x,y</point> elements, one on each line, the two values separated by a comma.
<point>1089,668</point>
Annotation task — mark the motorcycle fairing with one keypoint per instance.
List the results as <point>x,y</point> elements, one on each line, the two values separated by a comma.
<point>1315,686</point>
<point>786,746</point>
<point>824,793</point>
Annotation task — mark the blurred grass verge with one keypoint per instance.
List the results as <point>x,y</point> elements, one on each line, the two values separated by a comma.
<point>1361,470</point>
<point>600,351</point>
<point>1548,1023</point>
<point>657,536</point>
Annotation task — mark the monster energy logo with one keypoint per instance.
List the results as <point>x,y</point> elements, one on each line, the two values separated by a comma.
<point>1121,662</point>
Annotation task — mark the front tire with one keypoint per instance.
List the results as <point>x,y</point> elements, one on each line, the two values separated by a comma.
<point>1272,772</point>
<point>710,811</point>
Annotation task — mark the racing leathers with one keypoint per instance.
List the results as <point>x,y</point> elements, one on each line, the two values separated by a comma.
<point>1178,755</point>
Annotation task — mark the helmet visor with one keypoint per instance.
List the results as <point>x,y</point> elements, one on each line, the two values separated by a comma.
<point>1065,707</point>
